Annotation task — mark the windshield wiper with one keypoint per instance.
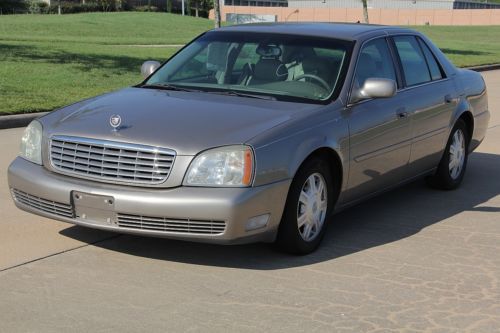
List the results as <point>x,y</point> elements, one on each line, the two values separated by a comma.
<point>242,94</point>
<point>167,87</point>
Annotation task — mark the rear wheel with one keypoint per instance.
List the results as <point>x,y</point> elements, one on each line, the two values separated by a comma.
<point>309,203</point>
<point>451,169</point>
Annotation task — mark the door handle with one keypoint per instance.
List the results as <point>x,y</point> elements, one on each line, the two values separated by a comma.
<point>401,113</point>
<point>448,99</point>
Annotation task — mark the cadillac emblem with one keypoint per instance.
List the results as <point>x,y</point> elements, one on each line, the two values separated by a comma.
<point>115,121</point>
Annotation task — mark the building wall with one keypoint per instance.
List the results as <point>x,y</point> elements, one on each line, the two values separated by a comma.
<point>400,4</point>
<point>377,15</point>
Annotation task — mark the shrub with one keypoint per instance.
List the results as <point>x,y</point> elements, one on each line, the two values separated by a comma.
<point>73,7</point>
<point>37,6</point>
<point>146,9</point>
<point>13,6</point>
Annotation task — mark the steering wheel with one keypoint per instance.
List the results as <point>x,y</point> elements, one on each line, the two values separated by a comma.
<point>314,77</point>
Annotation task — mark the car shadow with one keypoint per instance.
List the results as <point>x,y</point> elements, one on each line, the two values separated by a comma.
<point>387,218</point>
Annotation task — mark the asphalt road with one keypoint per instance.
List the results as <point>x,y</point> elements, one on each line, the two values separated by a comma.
<point>410,260</point>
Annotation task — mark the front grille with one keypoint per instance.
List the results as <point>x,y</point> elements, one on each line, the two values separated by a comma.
<point>171,225</point>
<point>110,161</point>
<point>45,205</point>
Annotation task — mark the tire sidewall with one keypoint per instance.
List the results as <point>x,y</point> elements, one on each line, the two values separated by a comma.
<point>443,173</point>
<point>289,237</point>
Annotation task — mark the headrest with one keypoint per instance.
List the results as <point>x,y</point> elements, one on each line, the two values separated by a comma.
<point>269,50</point>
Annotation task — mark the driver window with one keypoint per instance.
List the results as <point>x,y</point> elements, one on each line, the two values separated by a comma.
<point>375,61</point>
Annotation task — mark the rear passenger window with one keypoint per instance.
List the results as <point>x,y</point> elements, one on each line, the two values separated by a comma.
<point>434,68</point>
<point>375,61</point>
<point>412,59</point>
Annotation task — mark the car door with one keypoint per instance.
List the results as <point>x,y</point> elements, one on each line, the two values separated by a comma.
<point>430,100</point>
<point>379,128</point>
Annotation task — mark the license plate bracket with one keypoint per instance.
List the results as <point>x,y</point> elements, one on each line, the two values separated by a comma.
<point>93,208</point>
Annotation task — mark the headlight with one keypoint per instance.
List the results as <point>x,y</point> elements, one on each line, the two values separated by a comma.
<point>225,166</point>
<point>31,143</point>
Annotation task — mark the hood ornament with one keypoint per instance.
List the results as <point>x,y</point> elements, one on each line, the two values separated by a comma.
<point>115,121</point>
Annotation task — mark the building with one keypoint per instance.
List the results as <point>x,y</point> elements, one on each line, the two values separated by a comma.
<point>389,4</point>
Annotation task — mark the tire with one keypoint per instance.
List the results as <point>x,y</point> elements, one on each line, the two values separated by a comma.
<point>456,152</point>
<point>309,209</point>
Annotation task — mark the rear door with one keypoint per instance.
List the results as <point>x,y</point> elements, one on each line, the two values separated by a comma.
<point>430,99</point>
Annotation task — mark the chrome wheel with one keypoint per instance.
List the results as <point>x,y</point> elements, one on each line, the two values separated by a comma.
<point>457,154</point>
<point>312,207</point>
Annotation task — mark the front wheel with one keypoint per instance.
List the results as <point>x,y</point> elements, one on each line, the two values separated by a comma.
<point>451,169</point>
<point>309,203</point>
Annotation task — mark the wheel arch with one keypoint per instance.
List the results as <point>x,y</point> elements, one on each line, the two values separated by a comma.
<point>463,111</point>
<point>332,157</point>
<point>468,119</point>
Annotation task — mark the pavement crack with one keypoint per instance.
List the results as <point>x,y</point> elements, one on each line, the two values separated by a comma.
<point>58,253</point>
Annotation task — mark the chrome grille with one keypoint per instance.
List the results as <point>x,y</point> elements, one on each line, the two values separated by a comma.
<point>111,161</point>
<point>171,225</point>
<point>45,205</point>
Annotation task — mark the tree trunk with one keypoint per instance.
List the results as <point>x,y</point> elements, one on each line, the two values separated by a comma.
<point>217,13</point>
<point>365,11</point>
<point>196,8</point>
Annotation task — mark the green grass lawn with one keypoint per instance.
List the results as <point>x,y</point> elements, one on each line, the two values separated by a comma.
<point>47,61</point>
<point>466,45</point>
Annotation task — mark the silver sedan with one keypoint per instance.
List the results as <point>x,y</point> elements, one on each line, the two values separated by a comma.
<point>256,133</point>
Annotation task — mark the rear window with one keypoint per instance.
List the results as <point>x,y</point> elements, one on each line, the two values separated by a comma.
<point>413,60</point>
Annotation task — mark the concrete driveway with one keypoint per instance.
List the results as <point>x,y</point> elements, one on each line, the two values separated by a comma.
<point>411,260</point>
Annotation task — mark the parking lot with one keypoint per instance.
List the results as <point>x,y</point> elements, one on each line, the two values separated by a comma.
<point>410,260</point>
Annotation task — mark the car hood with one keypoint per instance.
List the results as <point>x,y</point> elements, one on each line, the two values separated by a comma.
<point>187,122</point>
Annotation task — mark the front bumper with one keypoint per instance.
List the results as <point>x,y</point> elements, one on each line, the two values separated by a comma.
<point>52,195</point>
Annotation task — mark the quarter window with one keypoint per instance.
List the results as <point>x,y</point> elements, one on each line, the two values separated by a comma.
<point>434,68</point>
<point>413,61</point>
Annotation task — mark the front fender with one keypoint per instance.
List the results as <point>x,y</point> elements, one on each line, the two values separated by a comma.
<point>282,157</point>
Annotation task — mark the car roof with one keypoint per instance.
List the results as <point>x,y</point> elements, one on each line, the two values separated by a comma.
<point>346,31</point>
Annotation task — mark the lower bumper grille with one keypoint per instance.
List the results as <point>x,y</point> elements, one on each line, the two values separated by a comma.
<point>187,226</point>
<point>129,221</point>
<point>45,205</point>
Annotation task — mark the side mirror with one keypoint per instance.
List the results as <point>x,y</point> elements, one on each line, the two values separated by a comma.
<point>375,88</point>
<point>148,67</point>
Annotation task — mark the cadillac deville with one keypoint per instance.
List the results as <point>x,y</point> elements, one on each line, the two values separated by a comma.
<point>256,133</point>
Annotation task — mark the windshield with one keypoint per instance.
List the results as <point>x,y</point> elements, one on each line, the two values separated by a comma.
<point>280,66</point>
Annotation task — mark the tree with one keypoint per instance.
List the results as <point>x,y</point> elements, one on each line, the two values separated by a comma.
<point>365,11</point>
<point>217,13</point>
<point>196,8</point>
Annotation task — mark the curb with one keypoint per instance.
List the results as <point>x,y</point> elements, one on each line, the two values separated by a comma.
<point>22,120</point>
<point>484,68</point>
<point>19,120</point>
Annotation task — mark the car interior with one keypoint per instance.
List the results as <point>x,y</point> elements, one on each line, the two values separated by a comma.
<point>294,69</point>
